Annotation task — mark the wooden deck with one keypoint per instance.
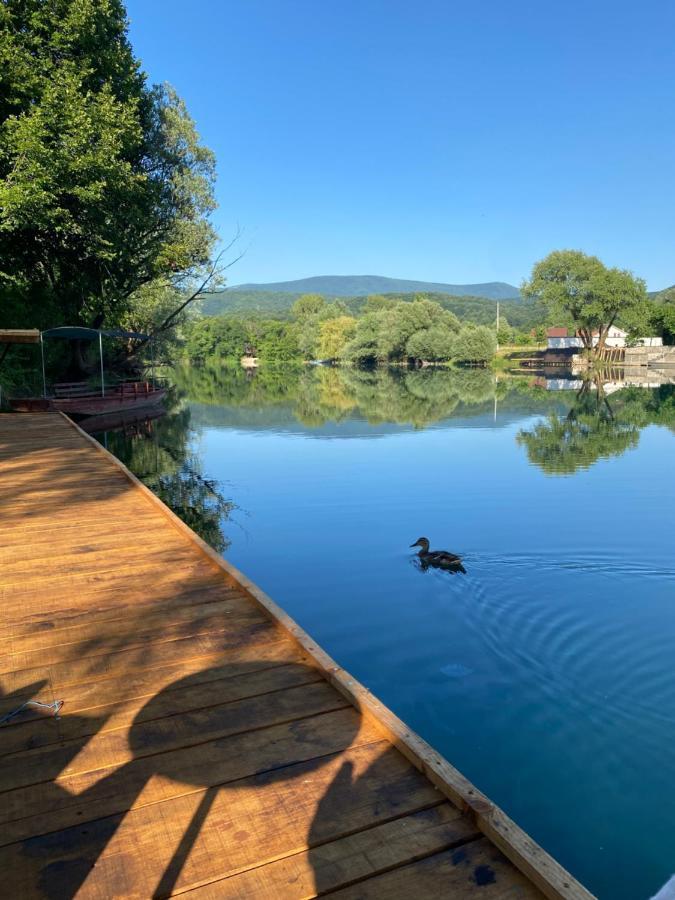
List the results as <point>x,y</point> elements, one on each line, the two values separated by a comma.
<point>205,746</point>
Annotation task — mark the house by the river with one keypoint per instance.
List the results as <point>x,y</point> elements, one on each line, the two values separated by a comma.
<point>560,339</point>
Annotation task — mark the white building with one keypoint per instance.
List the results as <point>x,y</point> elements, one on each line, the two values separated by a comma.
<point>559,339</point>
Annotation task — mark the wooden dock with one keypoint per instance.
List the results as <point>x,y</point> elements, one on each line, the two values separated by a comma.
<point>206,746</point>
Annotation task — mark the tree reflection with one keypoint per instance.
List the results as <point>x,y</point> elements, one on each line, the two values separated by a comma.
<point>561,445</point>
<point>319,395</point>
<point>161,456</point>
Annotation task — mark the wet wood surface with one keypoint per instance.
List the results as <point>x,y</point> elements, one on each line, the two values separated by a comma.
<point>201,748</point>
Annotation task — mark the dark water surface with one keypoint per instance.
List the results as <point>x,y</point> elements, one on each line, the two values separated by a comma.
<point>545,674</point>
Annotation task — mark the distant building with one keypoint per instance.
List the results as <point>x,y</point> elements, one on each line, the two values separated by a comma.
<point>560,339</point>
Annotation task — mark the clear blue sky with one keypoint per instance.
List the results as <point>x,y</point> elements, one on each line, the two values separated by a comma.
<point>445,140</point>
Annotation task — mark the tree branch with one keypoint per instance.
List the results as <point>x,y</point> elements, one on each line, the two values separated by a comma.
<point>202,290</point>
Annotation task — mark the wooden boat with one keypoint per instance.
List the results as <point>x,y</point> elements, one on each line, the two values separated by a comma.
<point>79,399</point>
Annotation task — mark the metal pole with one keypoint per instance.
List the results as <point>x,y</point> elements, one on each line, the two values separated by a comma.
<point>44,379</point>
<point>152,367</point>
<point>100,350</point>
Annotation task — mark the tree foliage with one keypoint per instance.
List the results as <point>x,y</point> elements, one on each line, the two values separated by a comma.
<point>571,283</point>
<point>390,332</point>
<point>334,334</point>
<point>104,184</point>
<point>474,344</point>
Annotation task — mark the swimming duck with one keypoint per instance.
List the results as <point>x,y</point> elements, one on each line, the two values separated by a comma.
<point>439,559</point>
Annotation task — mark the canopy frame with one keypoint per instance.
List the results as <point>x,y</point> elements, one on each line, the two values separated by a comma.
<point>78,333</point>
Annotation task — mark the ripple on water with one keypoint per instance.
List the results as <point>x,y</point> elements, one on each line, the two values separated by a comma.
<point>588,664</point>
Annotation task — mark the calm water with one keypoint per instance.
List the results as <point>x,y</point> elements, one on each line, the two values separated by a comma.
<point>546,673</point>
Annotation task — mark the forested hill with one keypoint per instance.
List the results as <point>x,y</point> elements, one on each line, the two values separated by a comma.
<point>362,285</point>
<point>277,305</point>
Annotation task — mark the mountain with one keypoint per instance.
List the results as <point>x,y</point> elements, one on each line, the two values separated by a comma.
<point>667,295</point>
<point>362,285</point>
<point>520,313</point>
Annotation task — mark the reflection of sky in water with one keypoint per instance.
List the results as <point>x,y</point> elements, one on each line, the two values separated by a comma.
<point>544,674</point>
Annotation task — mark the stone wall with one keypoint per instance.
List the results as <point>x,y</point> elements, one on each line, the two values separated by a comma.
<point>658,357</point>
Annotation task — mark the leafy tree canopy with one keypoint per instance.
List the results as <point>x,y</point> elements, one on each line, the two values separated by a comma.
<point>104,184</point>
<point>572,283</point>
<point>334,336</point>
<point>474,343</point>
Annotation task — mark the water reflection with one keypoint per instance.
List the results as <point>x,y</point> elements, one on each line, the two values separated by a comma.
<point>595,428</point>
<point>580,423</point>
<point>317,396</point>
<point>159,451</point>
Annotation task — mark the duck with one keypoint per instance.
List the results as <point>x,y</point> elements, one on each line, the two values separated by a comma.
<point>439,559</point>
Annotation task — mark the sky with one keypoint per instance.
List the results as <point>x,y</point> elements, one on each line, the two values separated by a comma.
<point>441,140</point>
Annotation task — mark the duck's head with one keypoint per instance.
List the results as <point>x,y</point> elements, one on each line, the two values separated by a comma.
<point>421,542</point>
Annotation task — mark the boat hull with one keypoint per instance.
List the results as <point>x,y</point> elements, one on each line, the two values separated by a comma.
<point>90,406</point>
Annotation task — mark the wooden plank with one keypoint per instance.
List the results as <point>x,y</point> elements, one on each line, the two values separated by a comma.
<point>61,551</point>
<point>127,583</point>
<point>125,660</point>
<point>158,734</point>
<point>70,534</point>
<point>116,624</point>
<point>101,610</point>
<point>50,630</point>
<point>97,697</point>
<point>79,566</point>
<point>476,869</point>
<point>19,336</point>
<point>341,862</point>
<point>109,601</point>
<point>250,823</point>
<point>86,797</point>
<point>215,617</point>
<point>37,728</point>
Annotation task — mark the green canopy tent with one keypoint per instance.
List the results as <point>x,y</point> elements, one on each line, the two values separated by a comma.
<point>78,333</point>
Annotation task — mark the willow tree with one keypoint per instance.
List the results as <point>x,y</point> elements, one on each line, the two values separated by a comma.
<point>105,187</point>
<point>572,284</point>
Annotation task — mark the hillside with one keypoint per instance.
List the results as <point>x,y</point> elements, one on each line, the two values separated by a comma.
<point>362,285</point>
<point>667,295</point>
<point>277,305</point>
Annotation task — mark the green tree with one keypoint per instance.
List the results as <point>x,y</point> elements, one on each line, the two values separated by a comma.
<point>504,332</point>
<point>571,283</point>
<point>278,343</point>
<point>475,344</point>
<point>376,302</point>
<point>334,334</point>
<point>307,307</point>
<point>222,337</point>
<point>104,185</point>
<point>431,344</point>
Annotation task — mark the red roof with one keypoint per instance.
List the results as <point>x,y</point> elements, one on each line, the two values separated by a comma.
<point>556,332</point>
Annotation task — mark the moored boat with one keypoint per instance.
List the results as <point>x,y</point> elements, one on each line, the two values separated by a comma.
<point>78,398</point>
